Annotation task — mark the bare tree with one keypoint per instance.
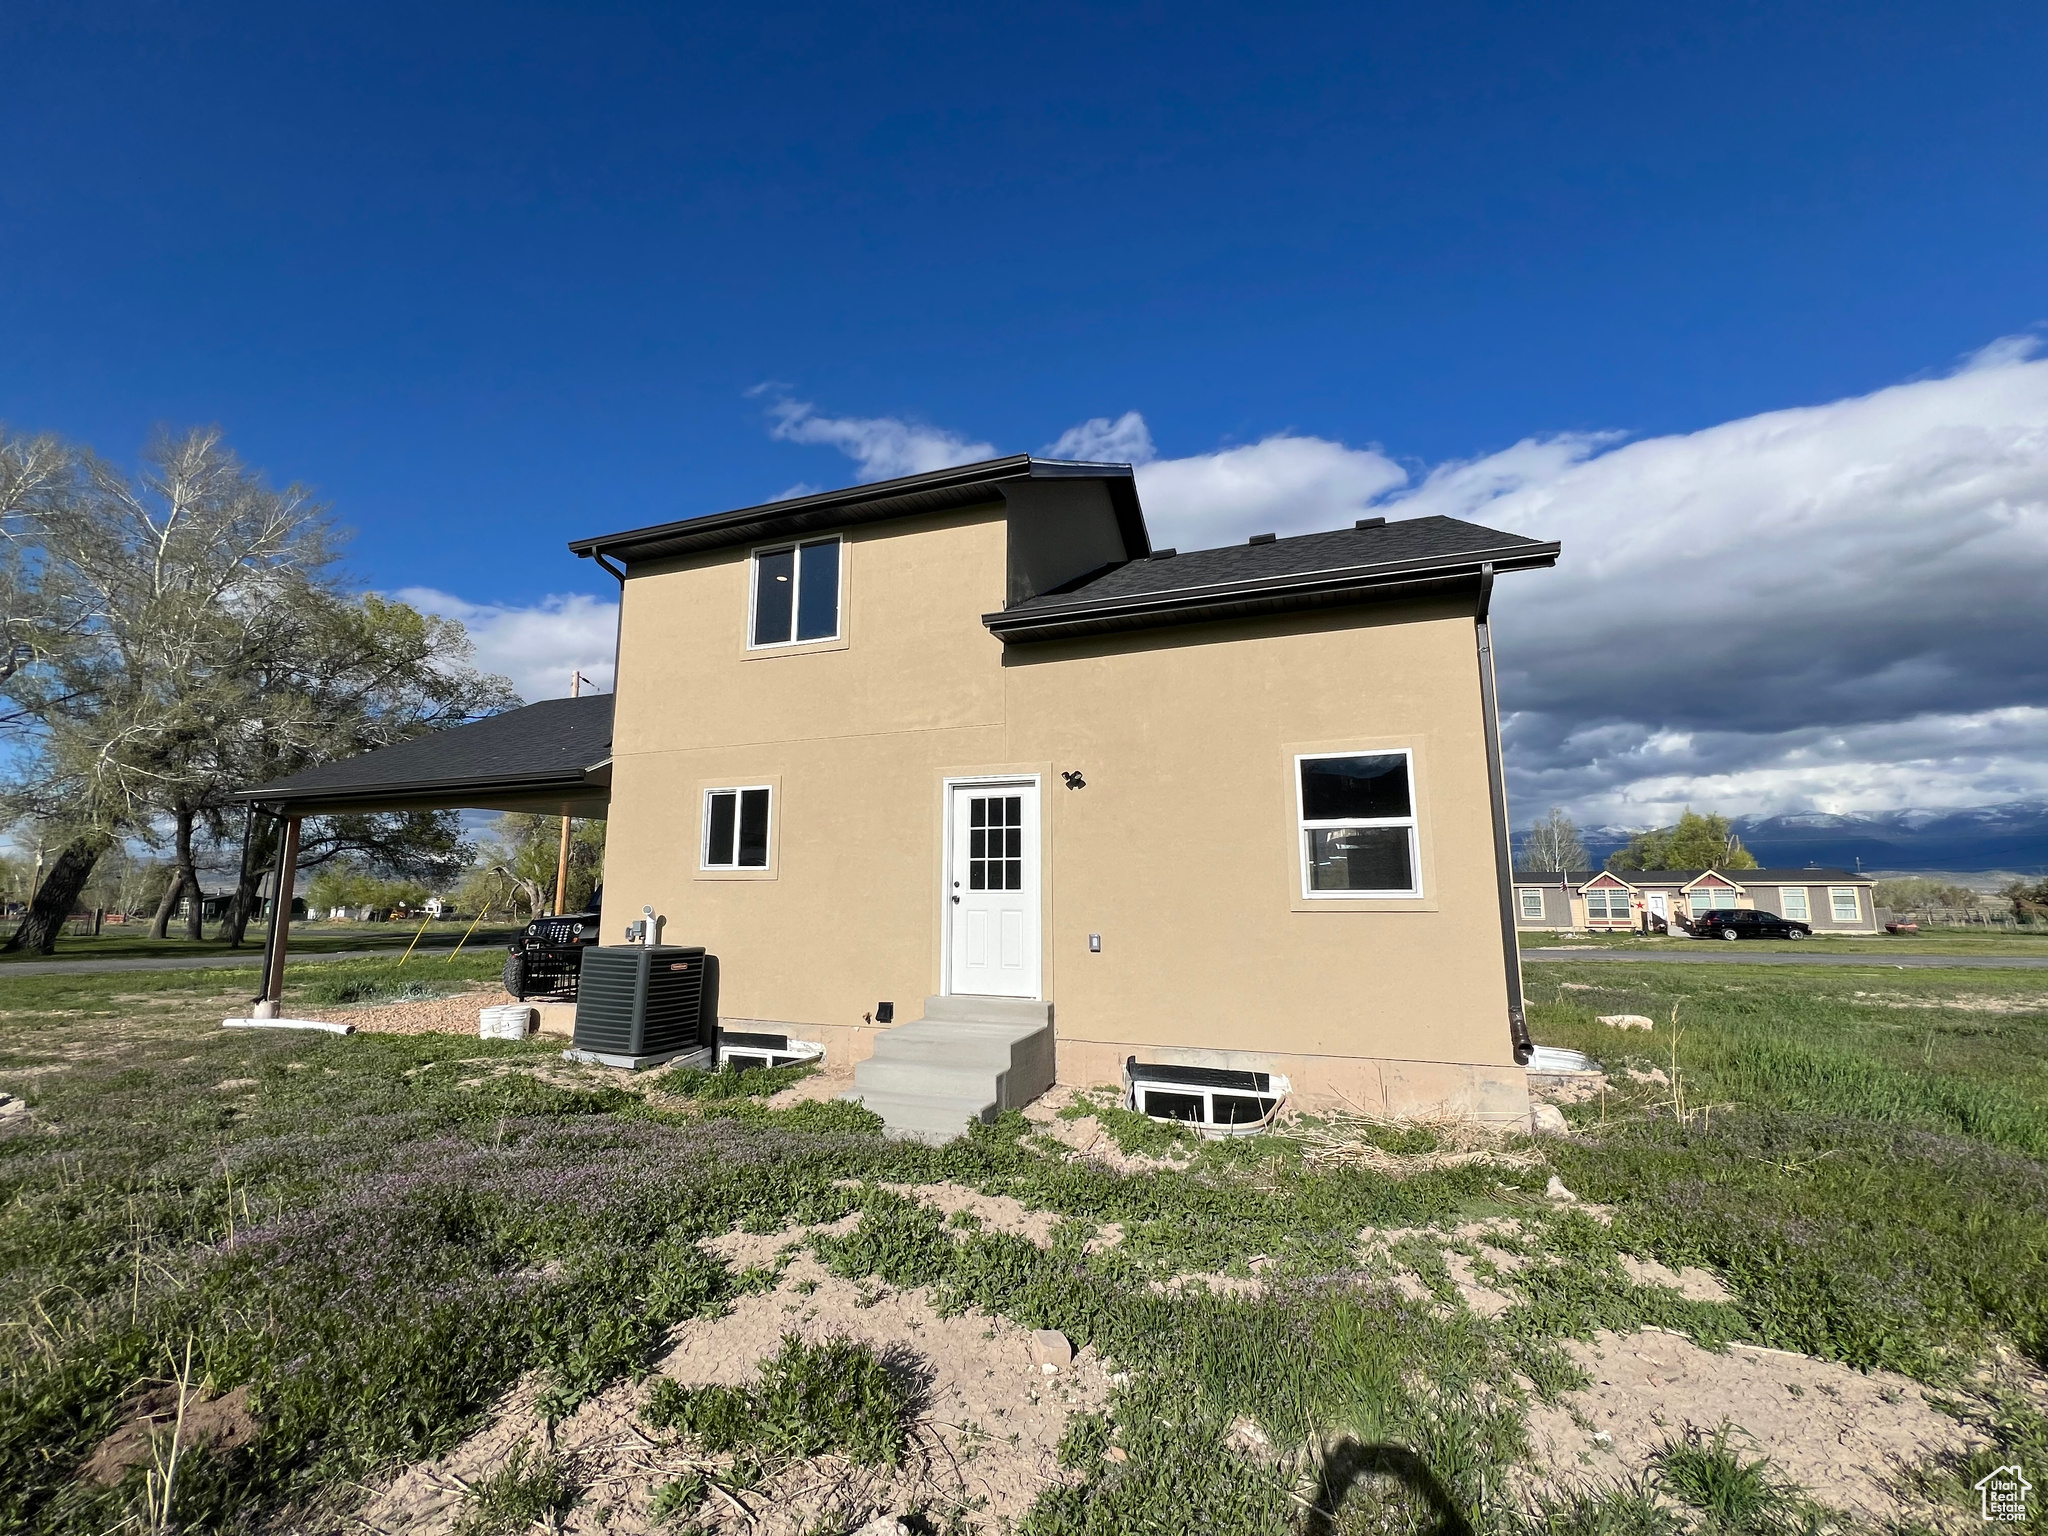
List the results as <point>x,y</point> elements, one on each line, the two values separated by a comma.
<point>210,645</point>
<point>1553,843</point>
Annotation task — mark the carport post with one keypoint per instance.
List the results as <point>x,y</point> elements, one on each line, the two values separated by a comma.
<point>280,921</point>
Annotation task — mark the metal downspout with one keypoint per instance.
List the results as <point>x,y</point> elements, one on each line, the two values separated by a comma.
<point>1503,858</point>
<point>618,574</point>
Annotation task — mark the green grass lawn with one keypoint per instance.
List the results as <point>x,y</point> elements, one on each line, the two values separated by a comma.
<point>131,941</point>
<point>378,1235</point>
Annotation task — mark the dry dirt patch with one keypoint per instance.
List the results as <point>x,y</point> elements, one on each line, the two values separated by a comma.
<point>984,1443</point>
<point>1843,1435</point>
<point>221,1424</point>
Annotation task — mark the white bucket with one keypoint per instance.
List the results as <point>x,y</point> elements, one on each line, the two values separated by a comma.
<point>507,1021</point>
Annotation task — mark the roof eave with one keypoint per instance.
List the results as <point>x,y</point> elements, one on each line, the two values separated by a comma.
<point>909,495</point>
<point>1193,605</point>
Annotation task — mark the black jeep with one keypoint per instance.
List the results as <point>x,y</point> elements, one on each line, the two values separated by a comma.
<point>547,958</point>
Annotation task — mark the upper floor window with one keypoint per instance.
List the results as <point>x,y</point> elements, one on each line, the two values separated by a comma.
<point>1358,825</point>
<point>796,593</point>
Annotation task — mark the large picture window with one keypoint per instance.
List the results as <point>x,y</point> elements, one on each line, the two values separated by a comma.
<point>1712,898</point>
<point>1608,906</point>
<point>736,828</point>
<point>796,594</point>
<point>1358,825</point>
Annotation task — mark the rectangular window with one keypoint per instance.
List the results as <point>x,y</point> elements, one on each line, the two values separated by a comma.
<point>1607,905</point>
<point>736,828</point>
<point>1532,905</point>
<point>995,843</point>
<point>1795,902</point>
<point>1358,833</point>
<point>796,593</point>
<point>1842,898</point>
<point>1711,899</point>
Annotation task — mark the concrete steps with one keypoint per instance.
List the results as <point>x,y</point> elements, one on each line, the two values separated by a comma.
<point>967,1059</point>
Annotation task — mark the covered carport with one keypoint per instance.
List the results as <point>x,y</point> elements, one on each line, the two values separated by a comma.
<point>552,759</point>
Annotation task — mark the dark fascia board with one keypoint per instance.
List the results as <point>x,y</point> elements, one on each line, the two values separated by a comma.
<point>941,490</point>
<point>284,792</point>
<point>1403,579</point>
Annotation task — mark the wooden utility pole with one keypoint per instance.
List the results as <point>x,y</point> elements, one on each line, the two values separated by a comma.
<point>562,857</point>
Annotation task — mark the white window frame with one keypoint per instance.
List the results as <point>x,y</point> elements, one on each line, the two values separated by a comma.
<point>1608,895</point>
<point>1788,896</point>
<point>796,595</point>
<point>1525,894</point>
<point>1837,895</point>
<point>1412,821</point>
<point>704,841</point>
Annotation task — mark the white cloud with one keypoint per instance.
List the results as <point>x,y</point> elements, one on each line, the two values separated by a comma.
<point>1098,440</point>
<point>883,446</point>
<point>1837,607</point>
<point>1280,484</point>
<point>539,647</point>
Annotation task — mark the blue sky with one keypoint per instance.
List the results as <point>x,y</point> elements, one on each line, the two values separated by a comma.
<point>493,277</point>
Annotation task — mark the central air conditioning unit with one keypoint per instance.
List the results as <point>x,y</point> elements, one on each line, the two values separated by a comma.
<point>646,1005</point>
<point>1217,1101</point>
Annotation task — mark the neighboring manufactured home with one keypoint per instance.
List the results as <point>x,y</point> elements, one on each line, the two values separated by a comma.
<point>1602,901</point>
<point>964,749</point>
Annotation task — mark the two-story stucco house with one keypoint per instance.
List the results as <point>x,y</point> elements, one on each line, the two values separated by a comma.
<point>959,776</point>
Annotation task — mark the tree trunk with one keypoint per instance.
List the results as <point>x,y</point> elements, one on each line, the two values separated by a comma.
<point>196,918</point>
<point>160,928</point>
<point>234,923</point>
<point>54,899</point>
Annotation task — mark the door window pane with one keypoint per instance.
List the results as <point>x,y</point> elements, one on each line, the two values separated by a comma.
<point>774,596</point>
<point>1366,788</point>
<point>817,616</point>
<point>1360,859</point>
<point>995,843</point>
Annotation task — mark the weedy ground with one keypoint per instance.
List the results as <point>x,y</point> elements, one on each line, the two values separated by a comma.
<point>379,1236</point>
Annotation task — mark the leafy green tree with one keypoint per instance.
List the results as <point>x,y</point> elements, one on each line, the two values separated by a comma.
<point>1553,843</point>
<point>516,867</point>
<point>1914,893</point>
<point>2029,900</point>
<point>1696,842</point>
<point>352,883</point>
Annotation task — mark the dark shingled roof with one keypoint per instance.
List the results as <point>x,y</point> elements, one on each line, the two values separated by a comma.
<point>538,757</point>
<point>1415,557</point>
<point>1685,876</point>
<point>938,490</point>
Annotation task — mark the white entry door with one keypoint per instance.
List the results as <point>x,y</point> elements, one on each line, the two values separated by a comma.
<point>992,890</point>
<point>1660,904</point>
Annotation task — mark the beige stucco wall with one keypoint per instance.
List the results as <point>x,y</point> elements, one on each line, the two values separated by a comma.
<point>1181,851</point>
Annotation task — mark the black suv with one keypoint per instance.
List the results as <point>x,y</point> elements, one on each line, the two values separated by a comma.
<point>547,958</point>
<point>1742,923</point>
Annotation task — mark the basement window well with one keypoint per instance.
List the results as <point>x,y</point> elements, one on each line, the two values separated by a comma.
<point>1217,1101</point>
<point>743,1049</point>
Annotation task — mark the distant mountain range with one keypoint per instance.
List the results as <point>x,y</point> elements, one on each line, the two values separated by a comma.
<point>2013,836</point>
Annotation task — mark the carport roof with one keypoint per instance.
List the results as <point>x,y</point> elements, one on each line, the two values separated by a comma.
<point>550,757</point>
